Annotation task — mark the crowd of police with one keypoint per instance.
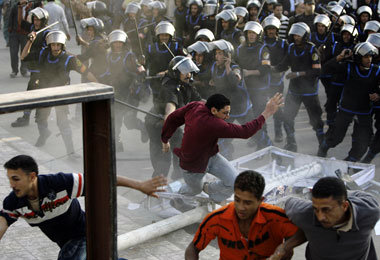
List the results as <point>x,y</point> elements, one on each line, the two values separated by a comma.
<point>240,49</point>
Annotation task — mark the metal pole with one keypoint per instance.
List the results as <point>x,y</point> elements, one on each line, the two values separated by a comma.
<point>139,109</point>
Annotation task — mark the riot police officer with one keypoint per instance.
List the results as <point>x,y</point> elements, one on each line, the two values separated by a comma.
<point>226,78</point>
<point>158,56</point>
<point>176,91</point>
<point>364,14</point>
<point>204,35</point>
<point>228,20</point>
<point>193,21</point>
<point>303,59</point>
<point>130,23</point>
<point>254,59</point>
<point>122,73</point>
<point>54,64</point>
<point>253,7</point>
<point>307,17</point>
<point>355,103</point>
<point>320,36</point>
<point>277,51</point>
<point>39,18</point>
<point>202,56</point>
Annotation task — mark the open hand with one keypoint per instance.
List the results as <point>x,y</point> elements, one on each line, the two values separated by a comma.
<point>150,187</point>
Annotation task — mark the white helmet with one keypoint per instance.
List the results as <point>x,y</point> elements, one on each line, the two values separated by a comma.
<point>372,26</point>
<point>271,21</point>
<point>347,19</point>
<point>242,11</point>
<point>322,19</point>
<point>56,37</point>
<point>204,33</point>
<point>254,27</point>
<point>364,9</point>
<point>222,45</point>
<point>38,12</point>
<point>374,39</point>
<point>164,27</point>
<point>226,15</point>
<point>199,47</point>
<point>117,36</point>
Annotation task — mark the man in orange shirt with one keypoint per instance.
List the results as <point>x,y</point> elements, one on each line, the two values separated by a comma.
<point>246,228</point>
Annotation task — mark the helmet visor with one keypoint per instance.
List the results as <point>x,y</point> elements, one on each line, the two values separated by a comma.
<point>186,66</point>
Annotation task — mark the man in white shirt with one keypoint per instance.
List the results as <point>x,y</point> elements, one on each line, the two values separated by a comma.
<point>56,13</point>
<point>277,12</point>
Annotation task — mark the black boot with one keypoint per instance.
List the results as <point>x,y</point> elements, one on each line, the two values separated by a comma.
<point>278,138</point>
<point>291,144</point>
<point>368,157</point>
<point>21,121</point>
<point>322,150</point>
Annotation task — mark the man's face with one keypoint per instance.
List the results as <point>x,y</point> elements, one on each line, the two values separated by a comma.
<point>56,48</point>
<point>278,12</point>
<point>246,204</point>
<point>219,57</point>
<point>178,3</point>
<point>146,10</point>
<point>223,113</point>
<point>253,11</point>
<point>132,16</point>
<point>225,25</point>
<point>20,182</point>
<point>117,46</point>
<point>300,8</point>
<point>346,36</point>
<point>194,10</point>
<point>270,7</point>
<point>366,61</point>
<point>37,23</point>
<point>309,8</point>
<point>321,28</point>
<point>364,17</point>
<point>164,37</point>
<point>271,32</point>
<point>297,39</point>
<point>252,37</point>
<point>185,77</point>
<point>155,12</point>
<point>199,57</point>
<point>329,211</point>
<point>90,31</point>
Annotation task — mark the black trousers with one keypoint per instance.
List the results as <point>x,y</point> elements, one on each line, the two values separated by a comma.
<point>16,44</point>
<point>360,137</point>
<point>313,108</point>
<point>278,117</point>
<point>375,143</point>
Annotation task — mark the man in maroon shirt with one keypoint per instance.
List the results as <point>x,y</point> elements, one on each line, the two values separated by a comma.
<point>204,125</point>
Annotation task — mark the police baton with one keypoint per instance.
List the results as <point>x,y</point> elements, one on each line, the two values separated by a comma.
<point>44,29</point>
<point>142,61</point>
<point>167,47</point>
<point>141,27</point>
<point>139,109</point>
<point>216,21</point>
<point>328,12</point>
<point>261,9</point>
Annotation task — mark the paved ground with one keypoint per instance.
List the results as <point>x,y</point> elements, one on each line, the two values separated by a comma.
<point>24,242</point>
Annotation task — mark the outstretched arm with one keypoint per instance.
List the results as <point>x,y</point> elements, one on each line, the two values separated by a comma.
<point>148,187</point>
<point>286,248</point>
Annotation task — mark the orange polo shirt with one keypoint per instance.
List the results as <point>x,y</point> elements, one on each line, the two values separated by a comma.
<point>268,230</point>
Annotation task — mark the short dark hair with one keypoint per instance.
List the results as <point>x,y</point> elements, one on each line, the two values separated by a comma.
<point>218,101</point>
<point>252,182</point>
<point>277,4</point>
<point>330,187</point>
<point>24,162</point>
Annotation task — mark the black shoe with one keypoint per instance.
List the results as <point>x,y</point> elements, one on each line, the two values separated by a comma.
<point>368,157</point>
<point>25,74</point>
<point>291,147</point>
<point>21,121</point>
<point>322,150</point>
<point>13,75</point>
<point>42,139</point>
<point>278,138</point>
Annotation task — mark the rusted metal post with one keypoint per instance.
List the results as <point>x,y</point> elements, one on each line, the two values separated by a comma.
<point>100,180</point>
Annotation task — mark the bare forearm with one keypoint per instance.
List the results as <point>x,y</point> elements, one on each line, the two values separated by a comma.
<point>127,182</point>
<point>170,108</point>
<point>26,50</point>
<point>3,226</point>
<point>191,252</point>
<point>297,239</point>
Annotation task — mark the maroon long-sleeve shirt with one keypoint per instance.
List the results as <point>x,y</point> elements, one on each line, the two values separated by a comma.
<point>202,130</point>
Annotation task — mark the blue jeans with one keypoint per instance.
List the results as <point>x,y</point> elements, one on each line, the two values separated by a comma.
<point>219,190</point>
<point>74,249</point>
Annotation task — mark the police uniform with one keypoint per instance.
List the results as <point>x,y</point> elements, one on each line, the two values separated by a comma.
<point>354,104</point>
<point>128,25</point>
<point>256,56</point>
<point>302,89</point>
<point>176,92</point>
<point>54,71</point>
<point>278,49</point>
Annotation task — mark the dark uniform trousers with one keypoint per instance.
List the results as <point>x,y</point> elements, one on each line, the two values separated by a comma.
<point>17,43</point>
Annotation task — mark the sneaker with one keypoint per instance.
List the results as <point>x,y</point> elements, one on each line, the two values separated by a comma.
<point>42,139</point>
<point>291,147</point>
<point>21,122</point>
<point>13,75</point>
